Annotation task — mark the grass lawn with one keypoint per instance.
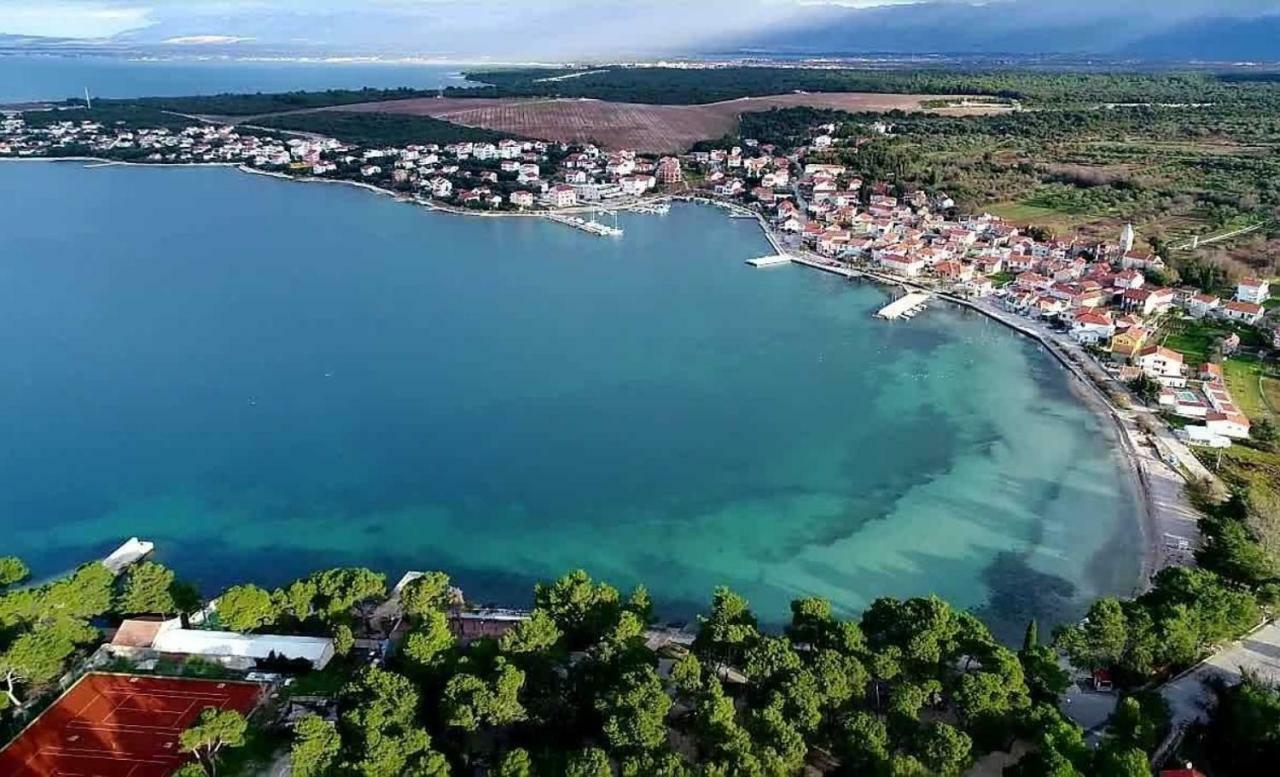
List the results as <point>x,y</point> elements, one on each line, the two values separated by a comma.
<point>1247,383</point>
<point>1194,338</point>
<point>1023,213</point>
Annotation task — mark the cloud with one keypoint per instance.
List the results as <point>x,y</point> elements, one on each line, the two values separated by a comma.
<point>561,29</point>
<point>71,18</point>
<point>205,40</point>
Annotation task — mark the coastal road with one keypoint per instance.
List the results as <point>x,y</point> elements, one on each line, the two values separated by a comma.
<point>1190,696</point>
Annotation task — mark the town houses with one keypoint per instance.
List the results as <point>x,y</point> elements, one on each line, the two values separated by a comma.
<point>509,174</point>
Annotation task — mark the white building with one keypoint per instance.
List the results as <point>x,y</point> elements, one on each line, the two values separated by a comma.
<point>1163,364</point>
<point>1202,305</point>
<point>1127,236</point>
<point>1092,327</point>
<point>562,196</point>
<point>1255,290</point>
<point>1244,312</point>
<point>229,646</point>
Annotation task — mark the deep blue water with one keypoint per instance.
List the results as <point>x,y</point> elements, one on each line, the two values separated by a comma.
<point>265,376</point>
<point>57,77</point>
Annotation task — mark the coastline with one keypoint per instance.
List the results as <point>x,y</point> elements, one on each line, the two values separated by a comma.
<point>1123,428</point>
<point>407,199</point>
<point>1157,513</point>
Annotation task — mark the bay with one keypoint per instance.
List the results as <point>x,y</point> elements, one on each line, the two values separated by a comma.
<point>49,77</point>
<point>266,377</point>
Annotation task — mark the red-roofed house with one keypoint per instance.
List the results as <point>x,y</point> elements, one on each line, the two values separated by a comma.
<point>1255,290</point>
<point>1202,305</point>
<point>1244,312</point>
<point>1162,364</point>
<point>1092,327</point>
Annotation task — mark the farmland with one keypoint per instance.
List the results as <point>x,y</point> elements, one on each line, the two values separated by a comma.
<point>642,127</point>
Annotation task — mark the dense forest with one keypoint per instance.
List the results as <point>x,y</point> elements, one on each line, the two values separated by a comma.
<point>379,129</point>
<point>685,86</point>
<point>132,115</point>
<point>252,104</point>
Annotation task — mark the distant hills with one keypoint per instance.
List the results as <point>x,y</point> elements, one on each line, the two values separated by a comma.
<point>990,29</point>
<point>1219,31</point>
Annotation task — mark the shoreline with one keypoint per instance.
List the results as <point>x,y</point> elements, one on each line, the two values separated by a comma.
<point>408,199</point>
<point>1122,429</point>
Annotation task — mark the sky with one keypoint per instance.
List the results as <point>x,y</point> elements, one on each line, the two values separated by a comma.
<point>549,28</point>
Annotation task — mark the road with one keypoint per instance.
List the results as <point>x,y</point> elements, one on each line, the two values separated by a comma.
<point>1190,697</point>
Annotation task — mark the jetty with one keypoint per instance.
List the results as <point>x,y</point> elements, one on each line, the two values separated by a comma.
<point>772,260</point>
<point>906,306</point>
<point>655,207</point>
<point>128,554</point>
<point>590,226</point>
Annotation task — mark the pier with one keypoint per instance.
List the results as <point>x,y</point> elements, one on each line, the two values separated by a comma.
<point>128,554</point>
<point>653,207</point>
<point>590,226</point>
<point>772,260</point>
<point>904,307</point>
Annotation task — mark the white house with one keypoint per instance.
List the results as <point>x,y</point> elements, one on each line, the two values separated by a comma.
<point>1202,305</point>
<point>1092,327</point>
<point>1228,425</point>
<point>562,196</point>
<point>1255,290</point>
<point>441,187</point>
<point>1244,312</point>
<point>1162,364</point>
<point>903,265</point>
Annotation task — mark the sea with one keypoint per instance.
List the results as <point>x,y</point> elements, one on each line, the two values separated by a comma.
<point>267,377</point>
<point>30,77</point>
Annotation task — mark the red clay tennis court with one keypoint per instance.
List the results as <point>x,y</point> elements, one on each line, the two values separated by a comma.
<point>110,725</point>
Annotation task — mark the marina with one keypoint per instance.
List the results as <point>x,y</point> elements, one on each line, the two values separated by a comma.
<point>906,306</point>
<point>590,226</point>
<point>656,208</point>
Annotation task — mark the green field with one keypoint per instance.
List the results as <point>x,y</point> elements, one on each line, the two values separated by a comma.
<point>1255,389</point>
<point>1195,338</point>
<point>1024,213</point>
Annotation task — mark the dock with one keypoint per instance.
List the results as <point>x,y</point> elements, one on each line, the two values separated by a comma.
<point>128,554</point>
<point>773,260</point>
<point>906,306</point>
<point>590,226</point>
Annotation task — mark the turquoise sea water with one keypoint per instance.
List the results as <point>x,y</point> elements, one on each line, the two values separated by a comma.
<point>265,376</point>
<point>26,77</point>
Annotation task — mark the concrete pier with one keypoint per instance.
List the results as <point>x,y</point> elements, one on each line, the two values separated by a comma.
<point>904,307</point>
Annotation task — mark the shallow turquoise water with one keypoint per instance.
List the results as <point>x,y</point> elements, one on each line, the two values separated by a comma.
<point>265,376</point>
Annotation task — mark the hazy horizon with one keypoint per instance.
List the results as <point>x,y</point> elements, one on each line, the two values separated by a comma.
<point>558,30</point>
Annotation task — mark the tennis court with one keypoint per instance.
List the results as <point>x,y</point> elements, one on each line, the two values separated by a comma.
<point>110,725</point>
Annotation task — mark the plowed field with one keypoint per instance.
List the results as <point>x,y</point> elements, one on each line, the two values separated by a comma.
<point>646,128</point>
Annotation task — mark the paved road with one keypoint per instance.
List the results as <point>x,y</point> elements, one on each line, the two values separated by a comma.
<point>1190,697</point>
